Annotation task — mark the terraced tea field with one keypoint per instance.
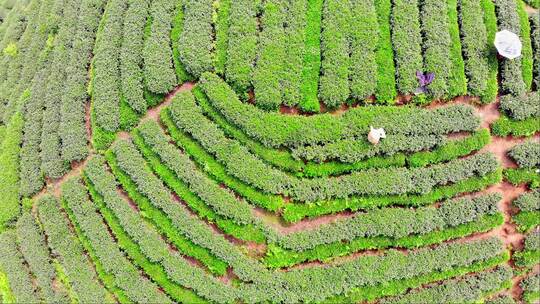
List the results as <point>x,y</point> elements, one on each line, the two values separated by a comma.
<point>222,151</point>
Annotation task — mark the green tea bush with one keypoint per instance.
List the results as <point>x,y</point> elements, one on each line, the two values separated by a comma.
<point>35,252</point>
<point>296,49</point>
<point>106,67</point>
<point>143,242</point>
<point>74,100</point>
<point>196,41</point>
<point>386,84</point>
<point>69,252</point>
<point>466,289</point>
<point>476,49</point>
<point>309,101</point>
<point>274,130</point>
<point>512,78</point>
<point>526,155</point>
<point>131,59</point>
<point>407,42</point>
<point>242,46</point>
<point>159,73</point>
<point>125,275</point>
<point>521,107</point>
<point>437,46</point>
<point>364,37</point>
<point>271,51</point>
<point>9,175</point>
<point>12,265</point>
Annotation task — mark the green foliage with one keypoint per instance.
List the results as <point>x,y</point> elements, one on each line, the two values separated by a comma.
<point>490,21</point>
<point>141,185</point>
<point>66,247</point>
<point>72,125</point>
<point>245,166</point>
<point>467,289</point>
<point>386,84</point>
<point>32,180</point>
<point>531,288</point>
<point>452,149</point>
<point>457,82</point>
<point>505,126</point>
<point>131,58</point>
<point>222,36</point>
<point>142,242</point>
<point>9,175</point>
<point>101,138</point>
<point>526,51</point>
<point>196,47</point>
<point>476,49</point>
<point>512,78</point>
<point>106,67</point>
<point>296,49</point>
<point>334,80</point>
<point>355,150</point>
<point>12,265</point>
<point>363,49</point>
<point>274,130</point>
<point>177,27</point>
<point>201,194</point>
<point>523,176</point>
<point>437,47</point>
<point>159,73</point>
<point>295,212</point>
<point>535,44</point>
<point>382,228</point>
<point>242,45</point>
<point>217,170</point>
<point>124,275</point>
<point>530,255</point>
<point>309,101</point>
<point>521,107</point>
<point>407,42</point>
<point>266,77</point>
<point>35,252</point>
<point>526,155</point>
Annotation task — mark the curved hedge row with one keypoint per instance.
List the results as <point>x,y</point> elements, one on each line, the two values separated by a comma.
<point>355,150</point>
<point>12,265</point>
<point>32,246</point>
<point>469,289</point>
<point>200,193</point>
<point>69,252</point>
<point>122,274</point>
<point>166,219</point>
<point>144,243</point>
<point>247,167</point>
<point>274,130</point>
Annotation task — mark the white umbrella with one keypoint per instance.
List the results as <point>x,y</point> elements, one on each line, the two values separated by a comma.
<point>508,44</point>
<point>375,135</point>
